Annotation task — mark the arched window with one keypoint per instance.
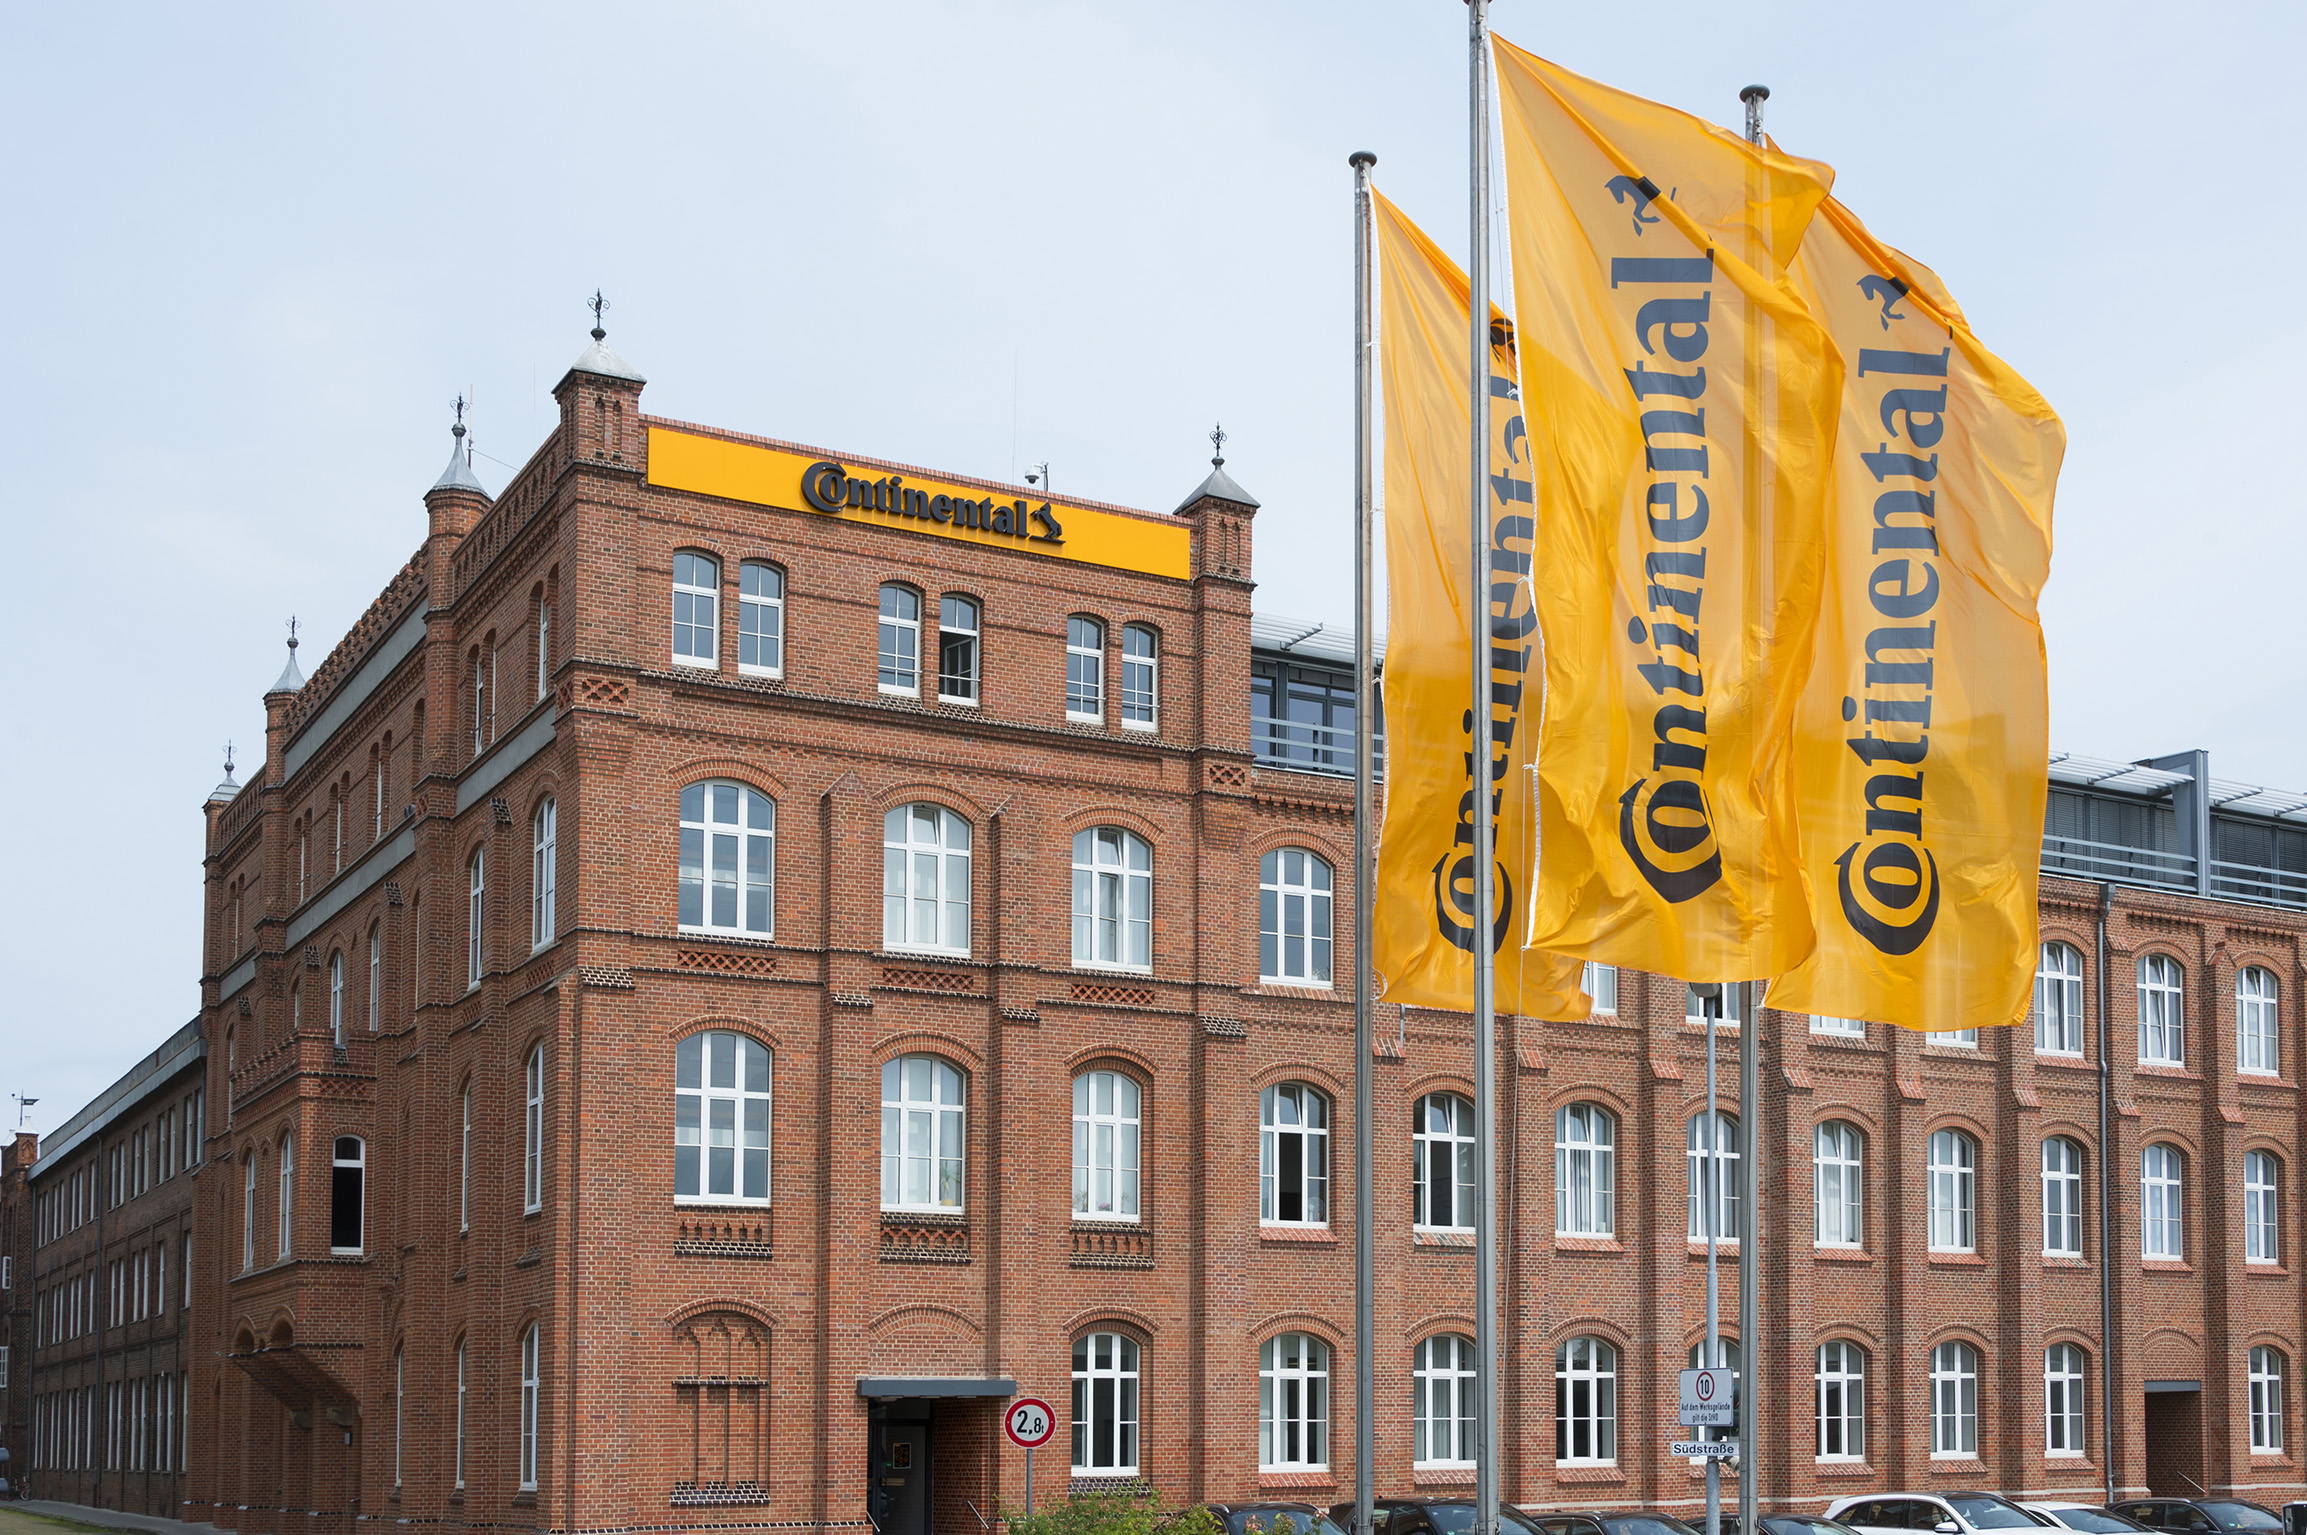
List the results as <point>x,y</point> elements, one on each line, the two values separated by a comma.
<point>287,1209</point>
<point>1105,1146</point>
<point>921,1134</point>
<point>1442,1405</point>
<point>2162,1026</point>
<point>465,1163</point>
<point>400,1407</point>
<point>696,610</point>
<point>544,642</point>
<point>476,887</point>
<point>1713,1180</point>
<point>2062,1198</point>
<point>900,640</point>
<point>2063,1400</point>
<point>1105,1405</point>
<point>958,635</point>
<point>1084,669</point>
<point>1725,1358</point>
<point>2259,1191</point>
<point>2267,1408</point>
<point>2162,1232</point>
<point>460,1441</point>
<point>1112,899</point>
<point>1293,1155</point>
<point>248,1212</point>
<point>925,880</point>
<point>1140,672</point>
<point>760,620</point>
<point>728,859</point>
<point>2059,1000</point>
<point>2255,1036</point>
<point>479,665</point>
<point>336,996</point>
<point>1442,1165</point>
<point>1293,918</point>
<point>543,861</point>
<point>533,1134</point>
<point>1293,1403</point>
<point>1585,1403</point>
<point>1585,1175</point>
<point>416,952</point>
<point>1838,1178</point>
<point>1952,1164</point>
<point>375,976</point>
<point>720,1119</point>
<point>529,1408</point>
<point>1954,1401</point>
<point>1841,1401</point>
<point>347,1195</point>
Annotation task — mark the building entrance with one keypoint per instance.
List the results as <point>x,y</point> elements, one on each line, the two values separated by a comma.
<point>2174,1438</point>
<point>899,1497</point>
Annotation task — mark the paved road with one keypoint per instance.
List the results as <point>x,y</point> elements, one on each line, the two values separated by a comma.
<point>38,1516</point>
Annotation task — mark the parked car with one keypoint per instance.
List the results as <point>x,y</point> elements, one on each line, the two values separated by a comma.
<point>1607,1522</point>
<point>2088,1517</point>
<point>1430,1516</point>
<point>2200,1516</point>
<point>1785,1524</point>
<point>1276,1518</point>
<point>1949,1513</point>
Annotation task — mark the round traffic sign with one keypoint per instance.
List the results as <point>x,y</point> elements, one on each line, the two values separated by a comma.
<point>1029,1422</point>
<point>1706,1385</point>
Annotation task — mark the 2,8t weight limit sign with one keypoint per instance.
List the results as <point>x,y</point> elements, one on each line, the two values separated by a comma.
<point>1029,1422</point>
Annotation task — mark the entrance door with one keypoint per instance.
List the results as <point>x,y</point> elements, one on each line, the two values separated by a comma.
<point>899,1496</point>
<point>2174,1440</point>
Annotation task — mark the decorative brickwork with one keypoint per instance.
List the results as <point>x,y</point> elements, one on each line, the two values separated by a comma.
<point>1103,994</point>
<point>924,1239</point>
<point>728,961</point>
<point>703,1238</point>
<point>1098,1246</point>
<point>959,982</point>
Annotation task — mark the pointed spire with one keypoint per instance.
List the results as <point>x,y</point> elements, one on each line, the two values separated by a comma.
<point>1219,485</point>
<point>459,474</point>
<point>598,358</point>
<point>290,678</point>
<point>227,789</point>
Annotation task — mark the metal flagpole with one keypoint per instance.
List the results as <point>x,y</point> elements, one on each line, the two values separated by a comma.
<point>1365,1329</point>
<point>1712,1210</point>
<point>1483,788</point>
<point>1750,1353</point>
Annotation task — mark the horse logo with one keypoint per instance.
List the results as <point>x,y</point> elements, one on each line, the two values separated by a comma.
<point>1641,191</point>
<point>1885,291</point>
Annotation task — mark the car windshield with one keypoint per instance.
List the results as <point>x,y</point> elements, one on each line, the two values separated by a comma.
<point>1458,1519</point>
<point>2240,1516</point>
<point>1646,1524</point>
<point>1984,1513</point>
<point>1281,1521</point>
<point>2096,1521</point>
<point>1805,1527</point>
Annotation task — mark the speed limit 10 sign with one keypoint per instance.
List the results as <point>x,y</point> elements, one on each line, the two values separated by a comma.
<point>1029,1422</point>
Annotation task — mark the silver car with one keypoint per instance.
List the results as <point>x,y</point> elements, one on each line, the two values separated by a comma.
<point>1948,1513</point>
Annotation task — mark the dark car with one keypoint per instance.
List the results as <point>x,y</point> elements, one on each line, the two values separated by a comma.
<point>1430,1516</point>
<point>1785,1524</point>
<point>1275,1518</point>
<point>1608,1522</point>
<point>2200,1516</point>
<point>2087,1517</point>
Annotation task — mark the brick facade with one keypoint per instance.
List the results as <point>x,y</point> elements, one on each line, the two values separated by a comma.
<point>698,1365</point>
<point>16,1159</point>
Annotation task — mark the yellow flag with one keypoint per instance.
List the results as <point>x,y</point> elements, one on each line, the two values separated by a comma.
<point>1682,410</point>
<point>1921,744</point>
<point>1424,927</point>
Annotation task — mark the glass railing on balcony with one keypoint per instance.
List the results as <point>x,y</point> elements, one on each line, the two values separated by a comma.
<point>2257,882</point>
<point>1311,748</point>
<point>2117,863</point>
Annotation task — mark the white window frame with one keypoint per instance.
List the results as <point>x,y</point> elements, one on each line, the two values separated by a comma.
<point>248,1213</point>
<point>465,1163</point>
<point>960,619</point>
<point>696,610</point>
<point>2062,1160</point>
<point>1600,983</point>
<point>1951,1164</point>
<point>1084,670</point>
<point>2262,1232</point>
<point>1107,1396</point>
<point>1296,903</point>
<point>1585,1171</point>
<point>359,1163</point>
<point>924,1134</point>
<point>1701,1167</point>
<point>2064,1397</point>
<point>400,1407</point>
<point>1108,1118</point>
<point>336,996</point>
<point>533,1133</point>
<point>2258,1048</point>
<point>711,1116</point>
<point>1590,1365</point>
<point>1450,1138</point>
<point>544,860</point>
<point>2059,1000</point>
<point>927,861</point>
<point>460,1441</point>
<point>2162,1203</point>
<point>529,1408</point>
<point>1723,1006</point>
<point>1956,1039</point>
<point>375,976</point>
<point>2162,1012</point>
<point>1838,1028</point>
<point>1443,1382</point>
<point>729,859</point>
<point>1139,701</point>
<point>2267,1369</point>
<point>1838,1185</point>
<point>477,872</point>
<point>544,653</point>
<point>1112,900</point>
<point>287,1209</point>
<point>1954,1399</point>
<point>1293,1403</point>
<point>1294,1112</point>
<point>1838,1388</point>
<point>899,674</point>
<point>760,618</point>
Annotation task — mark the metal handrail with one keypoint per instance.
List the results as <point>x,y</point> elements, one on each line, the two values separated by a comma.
<point>1311,748</point>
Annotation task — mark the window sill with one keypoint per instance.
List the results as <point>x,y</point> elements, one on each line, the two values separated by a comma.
<point>1957,1261</point>
<point>1091,721</point>
<point>1297,1236</point>
<point>1565,1243</point>
<point>1443,1241</point>
<point>1959,1465</point>
<point>1724,1247</point>
<point>525,1498</point>
<point>1140,727</point>
<point>2074,1261</point>
<point>2071,1060</point>
<point>1442,1476</point>
<point>886,691</point>
<point>1283,986</point>
<point>2269,1458</point>
<point>1849,1468</point>
<point>951,702</point>
<point>2256,1269</point>
<point>2165,1266</point>
<point>1599,1476</point>
<point>1306,1479</point>
<point>1842,1255</point>
<point>2168,1070</point>
<point>766,674</point>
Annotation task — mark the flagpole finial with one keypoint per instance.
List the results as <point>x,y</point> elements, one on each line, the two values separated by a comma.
<point>1218,441</point>
<point>1754,96</point>
<point>1361,158</point>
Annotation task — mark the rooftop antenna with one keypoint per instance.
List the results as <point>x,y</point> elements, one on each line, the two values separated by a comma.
<point>22,1103</point>
<point>1038,474</point>
<point>596,304</point>
<point>292,617</point>
<point>458,431</point>
<point>1218,441</point>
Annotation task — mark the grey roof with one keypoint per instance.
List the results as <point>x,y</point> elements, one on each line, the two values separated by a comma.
<point>1220,485</point>
<point>178,1051</point>
<point>223,791</point>
<point>599,359</point>
<point>290,678</point>
<point>459,474</point>
<point>1311,638</point>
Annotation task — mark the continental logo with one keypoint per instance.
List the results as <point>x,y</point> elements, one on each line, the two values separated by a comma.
<point>1663,819</point>
<point>829,487</point>
<point>1887,881</point>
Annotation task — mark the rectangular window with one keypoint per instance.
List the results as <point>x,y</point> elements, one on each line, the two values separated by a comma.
<point>2063,1400</point>
<point>900,641</point>
<point>696,610</point>
<point>720,1119</point>
<point>1140,677</point>
<point>957,651</point>
<point>2162,1038</point>
<point>533,1136</point>
<point>2259,1208</point>
<point>474,913</point>
<point>1846,1028</point>
<point>2255,1023</point>
<point>1950,1172</point>
<point>543,874</point>
<point>1084,670</point>
<point>925,880</point>
<point>1722,1006</point>
<point>2062,1198</point>
<point>760,620</point>
<point>1600,983</point>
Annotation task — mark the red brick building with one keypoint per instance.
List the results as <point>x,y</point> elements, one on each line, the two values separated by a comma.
<point>16,1159</point>
<point>746,957</point>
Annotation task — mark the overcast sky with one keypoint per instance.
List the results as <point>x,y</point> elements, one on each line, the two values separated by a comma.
<point>252,253</point>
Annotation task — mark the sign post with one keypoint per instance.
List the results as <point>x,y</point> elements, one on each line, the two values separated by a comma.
<point>1029,1424</point>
